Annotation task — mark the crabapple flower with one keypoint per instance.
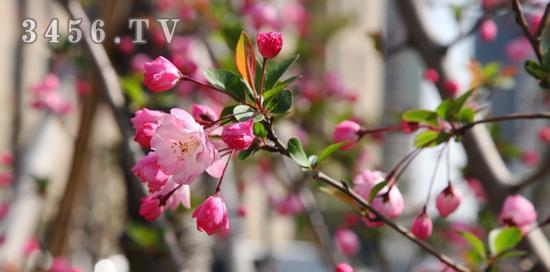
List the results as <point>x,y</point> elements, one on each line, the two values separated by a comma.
<point>544,134</point>
<point>6,178</point>
<point>82,87</point>
<point>451,87</point>
<point>47,96</point>
<point>343,267</point>
<point>242,211</point>
<point>183,147</point>
<point>488,31</point>
<point>126,45</point>
<point>204,115</point>
<point>145,123</point>
<point>422,226</point>
<point>32,245</point>
<point>431,75</point>
<point>61,264</point>
<point>289,205</point>
<point>269,44</point>
<point>239,135</point>
<point>212,216</point>
<point>517,211</point>
<point>150,208</point>
<point>161,75</point>
<point>346,131</point>
<point>148,170</point>
<point>518,49</point>
<point>262,15</point>
<point>530,157</point>
<point>389,204</point>
<point>489,4</point>
<point>347,241</point>
<point>138,62</point>
<point>4,210</point>
<point>448,201</point>
<point>6,158</point>
<point>297,15</point>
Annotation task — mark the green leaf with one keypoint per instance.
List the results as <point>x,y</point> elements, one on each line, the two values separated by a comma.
<point>329,150</point>
<point>144,236</point>
<point>490,70</point>
<point>275,71</point>
<point>512,253</point>
<point>426,138</point>
<point>260,130</point>
<point>477,245</point>
<point>443,108</point>
<point>458,104</point>
<point>281,85</point>
<point>374,191</point>
<point>243,113</point>
<point>228,82</point>
<point>466,115</point>
<point>546,60</point>
<point>297,153</point>
<point>281,103</point>
<point>133,88</point>
<point>504,239</point>
<point>421,116</point>
<point>535,70</point>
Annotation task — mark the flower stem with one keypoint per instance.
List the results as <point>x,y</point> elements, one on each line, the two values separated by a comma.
<point>219,187</point>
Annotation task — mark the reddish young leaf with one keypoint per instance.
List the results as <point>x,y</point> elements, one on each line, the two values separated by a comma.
<point>245,59</point>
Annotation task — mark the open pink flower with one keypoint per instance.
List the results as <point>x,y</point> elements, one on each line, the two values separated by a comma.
<point>346,131</point>
<point>517,211</point>
<point>212,215</point>
<point>448,201</point>
<point>347,241</point>
<point>422,226</point>
<point>239,135</point>
<point>183,147</point>
<point>161,75</point>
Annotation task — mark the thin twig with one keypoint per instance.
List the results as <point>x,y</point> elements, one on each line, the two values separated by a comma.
<point>508,117</point>
<point>543,22</point>
<point>522,22</point>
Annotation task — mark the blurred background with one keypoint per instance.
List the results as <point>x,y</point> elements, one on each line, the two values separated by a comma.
<point>68,195</point>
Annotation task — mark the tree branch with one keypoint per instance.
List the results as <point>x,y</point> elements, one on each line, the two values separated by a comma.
<point>520,19</point>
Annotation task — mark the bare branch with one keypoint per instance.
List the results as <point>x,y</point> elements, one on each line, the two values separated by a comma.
<point>520,19</point>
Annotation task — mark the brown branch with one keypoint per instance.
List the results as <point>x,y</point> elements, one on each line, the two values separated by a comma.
<point>508,117</point>
<point>522,22</point>
<point>344,188</point>
<point>543,22</point>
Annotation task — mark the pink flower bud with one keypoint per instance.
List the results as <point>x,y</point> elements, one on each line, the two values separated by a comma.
<point>389,204</point>
<point>488,31</point>
<point>6,158</point>
<point>32,245</point>
<point>343,267</point>
<point>239,135</point>
<point>544,134</point>
<point>126,45</point>
<point>82,87</point>
<point>518,49</point>
<point>408,127</point>
<point>204,115</point>
<point>346,131</point>
<point>242,211</point>
<point>530,157</point>
<point>289,205</point>
<point>149,171</point>
<point>422,226</point>
<point>6,179</point>
<point>451,87</point>
<point>534,22</point>
<point>212,216</point>
<point>150,208</point>
<point>161,75</point>
<point>477,188</point>
<point>347,241</point>
<point>269,44</point>
<point>448,201</point>
<point>431,75</point>
<point>517,211</point>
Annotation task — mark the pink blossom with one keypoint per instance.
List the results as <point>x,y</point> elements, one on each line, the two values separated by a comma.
<point>239,135</point>
<point>343,267</point>
<point>534,21</point>
<point>451,87</point>
<point>431,75</point>
<point>183,147</point>
<point>181,45</point>
<point>138,62</point>
<point>530,157</point>
<point>82,87</point>
<point>187,12</point>
<point>4,210</point>
<point>263,15</point>
<point>47,96</point>
<point>346,131</point>
<point>184,63</point>
<point>212,215</point>
<point>165,5</point>
<point>6,179</point>
<point>517,211</point>
<point>61,264</point>
<point>242,211</point>
<point>518,49</point>
<point>366,180</point>
<point>32,245</point>
<point>126,45</point>
<point>175,194</point>
<point>347,241</point>
<point>150,208</point>
<point>422,226</point>
<point>289,205</point>
<point>204,115</point>
<point>148,170</point>
<point>161,75</point>
<point>477,188</point>
<point>488,30</point>
<point>269,44</point>
<point>489,4</point>
<point>544,134</point>
<point>145,123</point>
<point>448,201</point>
<point>6,158</point>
